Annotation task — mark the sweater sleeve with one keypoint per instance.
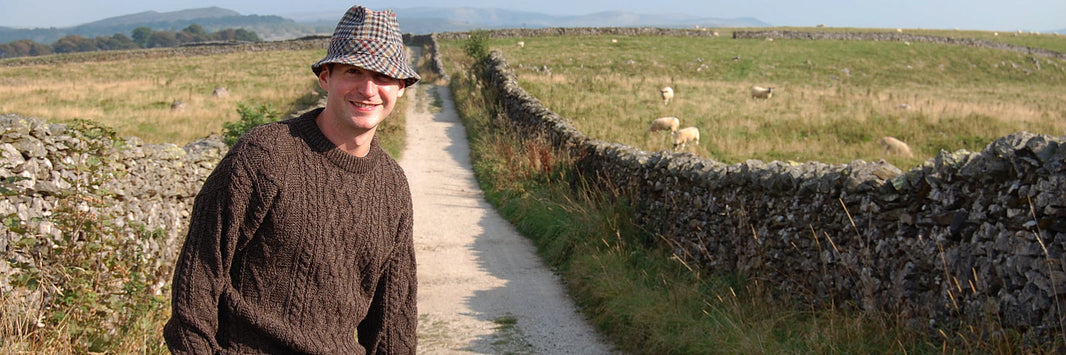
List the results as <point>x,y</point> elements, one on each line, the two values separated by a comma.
<point>390,326</point>
<point>202,272</point>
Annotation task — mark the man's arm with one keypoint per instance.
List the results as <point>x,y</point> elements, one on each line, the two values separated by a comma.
<point>390,326</point>
<point>201,274</point>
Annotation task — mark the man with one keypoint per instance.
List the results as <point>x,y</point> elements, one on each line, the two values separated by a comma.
<point>300,241</point>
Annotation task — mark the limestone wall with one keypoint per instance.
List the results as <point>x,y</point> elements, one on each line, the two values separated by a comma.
<point>135,187</point>
<point>968,236</point>
<point>896,36</point>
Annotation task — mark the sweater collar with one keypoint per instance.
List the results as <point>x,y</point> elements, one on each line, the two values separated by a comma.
<point>305,128</point>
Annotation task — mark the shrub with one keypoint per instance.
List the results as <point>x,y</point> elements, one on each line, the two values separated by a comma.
<point>476,46</point>
<point>251,116</point>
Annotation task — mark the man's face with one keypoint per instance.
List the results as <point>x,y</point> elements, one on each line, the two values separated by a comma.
<point>359,99</point>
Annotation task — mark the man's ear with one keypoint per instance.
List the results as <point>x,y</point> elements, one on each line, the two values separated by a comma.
<point>323,78</point>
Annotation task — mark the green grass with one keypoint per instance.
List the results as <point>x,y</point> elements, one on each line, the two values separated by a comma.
<point>833,99</point>
<point>630,286</point>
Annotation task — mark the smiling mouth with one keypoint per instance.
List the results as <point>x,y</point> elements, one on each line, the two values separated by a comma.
<point>363,105</point>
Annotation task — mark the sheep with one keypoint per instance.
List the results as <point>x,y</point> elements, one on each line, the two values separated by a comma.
<point>895,146</point>
<point>685,135</point>
<point>664,124</point>
<point>220,92</point>
<point>667,94</point>
<point>758,92</point>
<point>520,44</point>
<point>177,106</point>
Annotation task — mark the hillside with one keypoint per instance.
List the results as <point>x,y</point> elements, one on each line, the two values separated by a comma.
<point>417,20</point>
<point>210,18</point>
<point>424,20</point>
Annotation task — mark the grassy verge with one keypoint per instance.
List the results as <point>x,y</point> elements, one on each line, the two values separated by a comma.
<point>635,291</point>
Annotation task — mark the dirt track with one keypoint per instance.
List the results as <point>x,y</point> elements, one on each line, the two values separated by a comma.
<point>482,288</point>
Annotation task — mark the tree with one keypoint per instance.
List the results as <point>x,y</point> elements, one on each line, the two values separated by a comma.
<point>185,37</point>
<point>193,33</point>
<point>141,35</point>
<point>195,30</point>
<point>22,48</point>
<point>228,34</point>
<point>162,39</point>
<point>74,43</point>
<point>246,35</point>
<point>116,42</point>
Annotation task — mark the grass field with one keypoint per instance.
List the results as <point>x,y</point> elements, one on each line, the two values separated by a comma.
<point>135,97</point>
<point>833,100</point>
<point>642,298</point>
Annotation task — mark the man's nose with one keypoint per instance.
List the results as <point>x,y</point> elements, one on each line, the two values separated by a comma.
<point>366,86</point>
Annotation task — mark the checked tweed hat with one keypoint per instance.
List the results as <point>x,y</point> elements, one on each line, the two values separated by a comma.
<point>370,40</point>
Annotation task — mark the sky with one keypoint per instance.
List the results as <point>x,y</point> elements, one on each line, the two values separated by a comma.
<point>993,15</point>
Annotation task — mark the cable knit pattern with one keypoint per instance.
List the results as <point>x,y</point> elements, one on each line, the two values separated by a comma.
<point>297,246</point>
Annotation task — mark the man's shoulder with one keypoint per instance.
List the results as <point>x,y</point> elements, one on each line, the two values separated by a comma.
<point>274,135</point>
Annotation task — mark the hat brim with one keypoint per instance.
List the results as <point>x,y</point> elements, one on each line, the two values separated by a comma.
<point>384,65</point>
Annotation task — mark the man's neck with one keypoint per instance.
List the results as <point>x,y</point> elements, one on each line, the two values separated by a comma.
<point>351,142</point>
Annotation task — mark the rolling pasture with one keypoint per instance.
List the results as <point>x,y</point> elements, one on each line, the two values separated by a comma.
<point>832,100</point>
<point>136,96</point>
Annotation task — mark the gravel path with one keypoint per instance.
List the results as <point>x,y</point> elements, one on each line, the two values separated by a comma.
<point>482,289</point>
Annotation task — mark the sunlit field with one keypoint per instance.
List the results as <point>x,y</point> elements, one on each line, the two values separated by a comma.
<point>833,100</point>
<point>137,97</point>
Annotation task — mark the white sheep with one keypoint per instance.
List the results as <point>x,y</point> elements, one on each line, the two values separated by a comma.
<point>758,92</point>
<point>520,44</point>
<point>664,124</point>
<point>667,93</point>
<point>685,135</point>
<point>895,146</point>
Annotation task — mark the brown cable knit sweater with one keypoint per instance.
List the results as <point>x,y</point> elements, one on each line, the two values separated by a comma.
<point>295,246</point>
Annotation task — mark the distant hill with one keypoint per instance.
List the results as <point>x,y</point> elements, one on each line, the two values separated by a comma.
<point>210,18</point>
<point>422,20</point>
<point>417,20</point>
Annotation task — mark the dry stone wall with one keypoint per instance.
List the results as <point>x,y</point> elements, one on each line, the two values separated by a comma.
<point>584,31</point>
<point>896,36</point>
<point>966,237</point>
<point>310,42</point>
<point>123,181</point>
